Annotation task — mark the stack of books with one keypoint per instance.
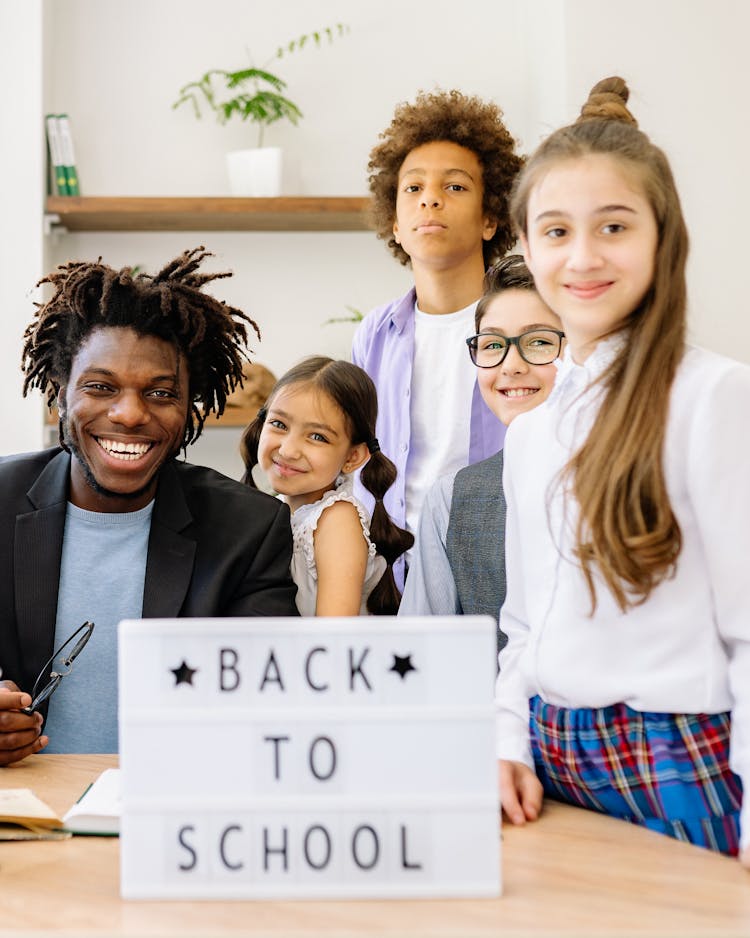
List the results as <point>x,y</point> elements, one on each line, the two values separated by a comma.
<point>63,175</point>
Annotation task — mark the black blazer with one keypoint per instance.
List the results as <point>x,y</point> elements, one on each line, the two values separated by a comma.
<point>216,548</point>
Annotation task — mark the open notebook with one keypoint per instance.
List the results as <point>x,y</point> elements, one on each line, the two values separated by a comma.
<point>23,816</point>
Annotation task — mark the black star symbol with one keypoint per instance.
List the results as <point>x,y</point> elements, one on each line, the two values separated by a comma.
<point>402,666</point>
<point>183,674</point>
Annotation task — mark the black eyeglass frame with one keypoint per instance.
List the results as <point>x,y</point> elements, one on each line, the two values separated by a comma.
<point>471,343</point>
<point>38,697</point>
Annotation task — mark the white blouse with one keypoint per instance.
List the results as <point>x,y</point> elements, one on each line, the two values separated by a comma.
<point>304,523</point>
<point>687,648</point>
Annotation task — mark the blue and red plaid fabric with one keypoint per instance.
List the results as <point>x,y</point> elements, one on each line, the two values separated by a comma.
<point>667,772</point>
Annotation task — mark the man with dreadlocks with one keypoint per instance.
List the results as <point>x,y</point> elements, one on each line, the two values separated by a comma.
<point>109,525</point>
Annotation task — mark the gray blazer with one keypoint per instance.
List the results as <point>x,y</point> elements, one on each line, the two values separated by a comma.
<point>216,548</point>
<point>475,541</point>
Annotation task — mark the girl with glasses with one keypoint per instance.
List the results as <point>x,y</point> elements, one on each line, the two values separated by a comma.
<point>315,430</point>
<point>625,676</point>
<point>458,563</point>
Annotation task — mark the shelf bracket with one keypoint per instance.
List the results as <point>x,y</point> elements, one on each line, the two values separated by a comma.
<point>52,223</point>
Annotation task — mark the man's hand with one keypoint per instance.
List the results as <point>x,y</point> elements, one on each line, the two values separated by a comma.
<point>520,792</point>
<point>745,858</point>
<point>19,732</point>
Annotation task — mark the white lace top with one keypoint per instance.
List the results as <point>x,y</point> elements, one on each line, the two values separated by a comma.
<point>304,523</point>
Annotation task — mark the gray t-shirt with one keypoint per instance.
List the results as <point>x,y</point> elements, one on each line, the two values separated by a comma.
<point>102,576</point>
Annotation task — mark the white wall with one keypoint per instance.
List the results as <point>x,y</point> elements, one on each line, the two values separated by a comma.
<point>688,68</point>
<point>116,68</point>
<point>21,239</point>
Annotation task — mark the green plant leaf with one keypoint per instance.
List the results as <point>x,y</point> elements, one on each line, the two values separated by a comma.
<point>234,79</point>
<point>264,106</point>
<point>201,90</point>
<point>253,102</point>
<point>296,45</point>
<point>356,316</point>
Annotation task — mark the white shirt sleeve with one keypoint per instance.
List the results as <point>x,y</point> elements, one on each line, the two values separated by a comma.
<point>511,692</point>
<point>718,481</point>
<point>430,589</point>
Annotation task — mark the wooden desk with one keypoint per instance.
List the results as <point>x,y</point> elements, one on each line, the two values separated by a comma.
<point>573,872</point>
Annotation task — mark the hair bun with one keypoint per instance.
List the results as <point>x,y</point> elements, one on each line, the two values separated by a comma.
<point>608,101</point>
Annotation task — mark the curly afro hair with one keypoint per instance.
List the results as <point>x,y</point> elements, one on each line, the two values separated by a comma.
<point>170,306</point>
<point>455,117</point>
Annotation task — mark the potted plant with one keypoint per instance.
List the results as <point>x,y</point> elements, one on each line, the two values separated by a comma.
<point>256,95</point>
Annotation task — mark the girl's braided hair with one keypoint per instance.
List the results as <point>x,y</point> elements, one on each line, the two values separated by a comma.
<point>352,390</point>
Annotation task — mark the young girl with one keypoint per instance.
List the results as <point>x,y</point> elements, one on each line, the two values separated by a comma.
<point>316,429</point>
<point>627,613</point>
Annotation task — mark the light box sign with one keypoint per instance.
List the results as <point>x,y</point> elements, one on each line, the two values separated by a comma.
<point>308,758</point>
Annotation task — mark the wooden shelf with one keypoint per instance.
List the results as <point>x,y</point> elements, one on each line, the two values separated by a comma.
<point>154,213</point>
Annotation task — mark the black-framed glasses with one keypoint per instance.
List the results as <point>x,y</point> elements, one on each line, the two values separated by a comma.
<point>50,672</point>
<point>537,347</point>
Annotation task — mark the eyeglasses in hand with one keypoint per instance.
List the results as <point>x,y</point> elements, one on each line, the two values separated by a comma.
<point>537,347</point>
<point>50,672</point>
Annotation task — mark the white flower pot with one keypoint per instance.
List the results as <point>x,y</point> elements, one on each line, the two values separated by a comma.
<point>255,172</point>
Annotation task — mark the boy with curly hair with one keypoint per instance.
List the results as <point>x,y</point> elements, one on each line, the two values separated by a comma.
<point>440,178</point>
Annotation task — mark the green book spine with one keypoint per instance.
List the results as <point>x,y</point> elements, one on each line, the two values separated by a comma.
<point>58,179</point>
<point>68,154</point>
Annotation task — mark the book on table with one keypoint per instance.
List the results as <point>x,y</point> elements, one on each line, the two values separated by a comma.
<point>23,816</point>
<point>98,810</point>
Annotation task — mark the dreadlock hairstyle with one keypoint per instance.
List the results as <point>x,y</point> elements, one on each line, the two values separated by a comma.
<point>169,305</point>
<point>454,117</point>
<point>626,527</point>
<point>511,273</point>
<point>353,392</point>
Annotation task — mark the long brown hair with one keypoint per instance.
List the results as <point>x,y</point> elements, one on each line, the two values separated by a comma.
<point>351,389</point>
<point>627,529</point>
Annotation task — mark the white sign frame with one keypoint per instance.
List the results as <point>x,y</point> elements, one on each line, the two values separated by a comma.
<point>308,758</point>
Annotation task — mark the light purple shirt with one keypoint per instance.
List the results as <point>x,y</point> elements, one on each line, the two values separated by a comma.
<point>384,346</point>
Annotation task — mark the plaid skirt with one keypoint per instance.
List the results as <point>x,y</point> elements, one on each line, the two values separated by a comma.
<point>667,772</point>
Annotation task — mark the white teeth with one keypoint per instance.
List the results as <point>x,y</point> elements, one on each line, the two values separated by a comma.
<point>126,451</point>
<point>518,392</point>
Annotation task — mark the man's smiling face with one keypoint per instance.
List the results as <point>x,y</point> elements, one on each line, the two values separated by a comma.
<point>124,409</point>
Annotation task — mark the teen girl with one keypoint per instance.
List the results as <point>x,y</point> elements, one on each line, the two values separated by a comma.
<point>627,611</point>
<point>316,429</point>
